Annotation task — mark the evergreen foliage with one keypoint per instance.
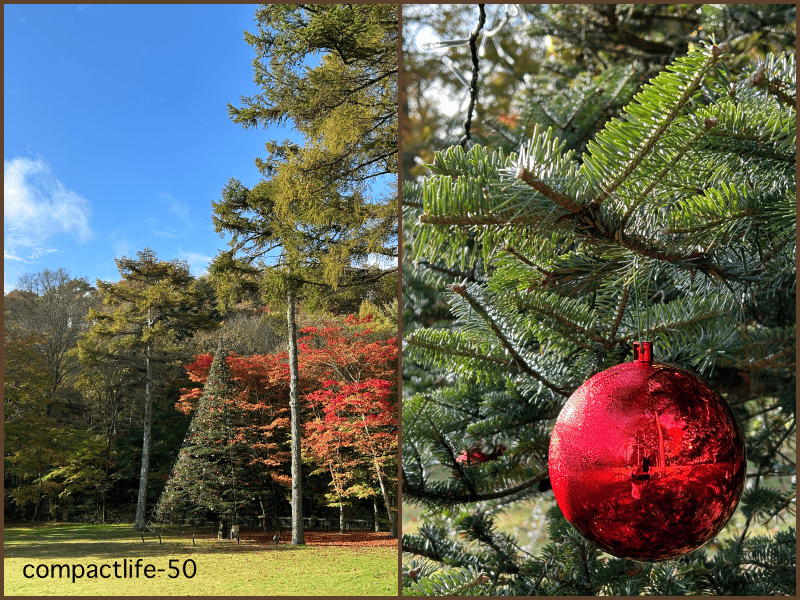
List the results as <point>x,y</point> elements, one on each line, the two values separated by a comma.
<point>673,222</point>
<point>204,479</point>
<point>148,313</point>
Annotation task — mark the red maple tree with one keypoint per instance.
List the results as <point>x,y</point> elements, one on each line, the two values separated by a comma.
<point>353,432</point>
<point>348,384</point>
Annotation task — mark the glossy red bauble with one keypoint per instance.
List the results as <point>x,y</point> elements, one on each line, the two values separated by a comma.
<point>647,460</point>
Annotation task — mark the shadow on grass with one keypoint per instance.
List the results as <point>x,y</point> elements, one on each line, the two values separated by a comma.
<point>75,541</point>
<point>126,550</point>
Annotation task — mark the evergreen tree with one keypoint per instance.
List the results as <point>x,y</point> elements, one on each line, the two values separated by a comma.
<point>675,222</point>
<point>210,464</point>
<point>149,312</point>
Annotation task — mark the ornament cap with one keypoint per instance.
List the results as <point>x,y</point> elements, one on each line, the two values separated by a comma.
<point>643,352</point>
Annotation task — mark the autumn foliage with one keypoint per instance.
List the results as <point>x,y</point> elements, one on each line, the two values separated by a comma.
<point>348,390</point>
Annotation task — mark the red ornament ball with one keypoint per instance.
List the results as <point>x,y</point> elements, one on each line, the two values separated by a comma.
<point>647,460</point>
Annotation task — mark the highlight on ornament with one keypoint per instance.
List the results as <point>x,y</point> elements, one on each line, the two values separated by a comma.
<point>647,460</point>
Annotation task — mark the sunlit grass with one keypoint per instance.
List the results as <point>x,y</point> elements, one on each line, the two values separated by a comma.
<point>222,567</point>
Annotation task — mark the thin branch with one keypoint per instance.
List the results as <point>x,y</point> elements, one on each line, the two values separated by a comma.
<point>768,361</point>
<point>614,328</point>
<point>460,498</point>
<point>473,86</point>
<point>461,276</point>
<point>516,254</point>
<point>477,220</point>
<point>545,190</point>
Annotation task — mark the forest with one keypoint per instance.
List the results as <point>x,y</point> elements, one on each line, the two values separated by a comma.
<point>272,379</point>
<point>75,401</point>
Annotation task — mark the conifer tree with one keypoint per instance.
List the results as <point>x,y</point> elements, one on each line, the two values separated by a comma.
<point>203,483</point>
<point>149,311</point>
<point>675,223</point>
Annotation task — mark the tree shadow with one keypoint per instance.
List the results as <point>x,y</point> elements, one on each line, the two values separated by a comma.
<point>62,547</point>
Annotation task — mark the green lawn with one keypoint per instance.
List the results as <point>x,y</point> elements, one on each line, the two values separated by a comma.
<point>221,568</point>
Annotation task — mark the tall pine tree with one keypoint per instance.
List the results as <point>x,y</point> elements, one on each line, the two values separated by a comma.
<point>675,222</point>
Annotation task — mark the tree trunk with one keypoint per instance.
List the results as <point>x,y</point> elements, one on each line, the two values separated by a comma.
<point>263,512</point>
<point>379,474</point>
<point>387,501</point>
<point>141,505</point>
<point>375,511</point>
<point>39,500</point>
<point>339,496</point>
<point>294,405</point>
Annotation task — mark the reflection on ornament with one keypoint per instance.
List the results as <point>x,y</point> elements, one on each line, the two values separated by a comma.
<point>647,460</point>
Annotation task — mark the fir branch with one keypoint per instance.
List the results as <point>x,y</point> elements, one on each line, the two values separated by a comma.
<point>767,361</point>
<point>545,568</point>
<point>777,568</point>
<point>450,351</point>
<point>454,464</point>
<point>649,142</point>
<point>545,190</point>
<point>559,318</point>
<point>597,94</point>
<point>461,498</point>
<point>480,579</point>
<point>517,360</point>
<point>547,114</point>
<point>669,327</point>
<point>523,259</point>
<point>455,274</point>
<point>775,250</point>
<point>713,224</point>
<point>638,244</point>
<point>437,556</point>
<point>742,136</point>
<point>775,88</point>
<point>789,431</point>
<point>580,544</point>
<point>477,220</point>
<point>670,166</point>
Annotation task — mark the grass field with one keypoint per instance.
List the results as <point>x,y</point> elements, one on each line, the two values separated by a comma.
<point>57,553</point>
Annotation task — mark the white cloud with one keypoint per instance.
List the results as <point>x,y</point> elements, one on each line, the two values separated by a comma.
<point>168,234</point>
<point>36,205</point>
<point>7,255</point>
<point>120,242</point>
<point>37,252</point>
<point>181,209</point>
<point>198,263</point>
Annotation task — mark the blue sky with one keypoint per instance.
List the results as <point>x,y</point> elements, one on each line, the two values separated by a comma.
<point>116,134</point>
